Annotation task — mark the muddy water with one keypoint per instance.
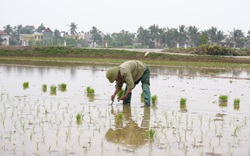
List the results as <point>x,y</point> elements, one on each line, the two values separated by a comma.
<point>36,122</point>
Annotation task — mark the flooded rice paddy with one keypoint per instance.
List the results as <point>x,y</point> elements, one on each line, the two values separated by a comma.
<point>34,120</point>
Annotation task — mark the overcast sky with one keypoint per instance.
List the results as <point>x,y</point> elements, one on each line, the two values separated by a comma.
<point>115,15</point>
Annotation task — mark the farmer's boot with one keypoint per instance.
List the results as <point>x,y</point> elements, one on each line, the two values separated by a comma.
<point>128,99</point>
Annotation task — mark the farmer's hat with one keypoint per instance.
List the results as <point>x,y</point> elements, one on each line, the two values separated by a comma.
<point>112,74</point>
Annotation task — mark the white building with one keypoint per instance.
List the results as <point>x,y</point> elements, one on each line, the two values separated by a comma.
<point>6,38</point>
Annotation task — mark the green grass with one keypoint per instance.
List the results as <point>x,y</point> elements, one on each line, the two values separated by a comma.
<point>65,55</point>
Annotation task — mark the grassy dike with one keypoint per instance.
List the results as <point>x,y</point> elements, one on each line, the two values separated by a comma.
<point>76,56</point>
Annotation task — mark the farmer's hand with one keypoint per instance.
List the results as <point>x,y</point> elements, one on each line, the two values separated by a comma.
<point>123,97</point>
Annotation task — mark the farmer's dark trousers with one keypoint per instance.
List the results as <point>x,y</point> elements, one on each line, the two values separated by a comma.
<point>145,81</point>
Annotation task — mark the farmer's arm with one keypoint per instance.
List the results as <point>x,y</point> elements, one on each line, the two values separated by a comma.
<point>118,87</point>
<point>130,84</point>
<point>126,94</point>
<point>116,91</point>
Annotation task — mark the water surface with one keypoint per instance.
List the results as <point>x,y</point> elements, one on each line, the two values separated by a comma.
<point>36,122</point>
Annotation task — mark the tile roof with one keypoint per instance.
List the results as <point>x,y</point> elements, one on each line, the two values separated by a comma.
<point>47,30</point>
<point>3,32</point>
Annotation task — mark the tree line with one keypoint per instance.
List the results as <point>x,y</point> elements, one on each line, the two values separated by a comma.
<point>151,37</point>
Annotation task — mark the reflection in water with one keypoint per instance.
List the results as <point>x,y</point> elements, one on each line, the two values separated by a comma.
<point>236,107</point>
<point>130,134</point>
<point>223,104</point>
<point>72,73</point>
<point>181,72</point>
<point>183,108</point>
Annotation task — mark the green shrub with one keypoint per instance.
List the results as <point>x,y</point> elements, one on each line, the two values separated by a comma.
<point>215,50</point>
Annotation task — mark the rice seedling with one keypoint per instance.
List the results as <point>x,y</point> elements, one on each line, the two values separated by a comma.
<point>154,99</point>
<point>236,104</point>
<point>44,88</point>
<point>120,93</point>
<point>183,103</point>
<point>62,87</point>
<point>53,90</point>
<point>79,119</point>
<point>151,134</point>
<point>25,85</point>
<point>90,93</point>
<point>235,131</point>
<point>223,99</point>
<point>90,90</point>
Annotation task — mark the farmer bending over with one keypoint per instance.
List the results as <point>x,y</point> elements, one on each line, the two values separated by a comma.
<point>130,72</point>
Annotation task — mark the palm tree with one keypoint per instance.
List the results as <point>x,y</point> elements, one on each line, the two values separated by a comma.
<point>215,35</point>
<point>8,29</point>
<point>236,36</point>
<point>107,40</point>
<point>193,35</point>
<point>143,36</point>
<point>162,37</point>
<point>211,33</point>
<point>73,28</point>
<point>41,28</point>
<point>182,35</point>
<point>219,36</point>
<point>57,34</point>
<point>96,35</point>
<point>171,37</point>
<point>154,35</point>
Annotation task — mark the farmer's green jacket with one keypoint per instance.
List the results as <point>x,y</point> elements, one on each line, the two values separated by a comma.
<point>130,72</point>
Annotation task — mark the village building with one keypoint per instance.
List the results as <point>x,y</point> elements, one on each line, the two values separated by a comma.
<point>5,37</point>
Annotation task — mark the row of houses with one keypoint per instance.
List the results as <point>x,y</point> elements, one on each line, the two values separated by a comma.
<point>44,36</point>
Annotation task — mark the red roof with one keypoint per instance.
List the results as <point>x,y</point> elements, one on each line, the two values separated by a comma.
<point>47,30</point>
<point>3,32</point>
